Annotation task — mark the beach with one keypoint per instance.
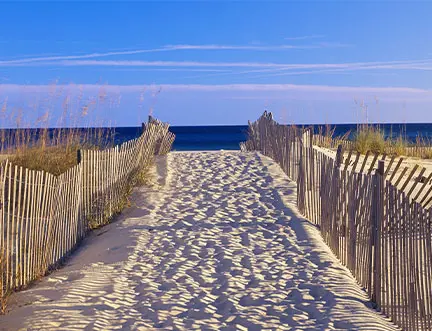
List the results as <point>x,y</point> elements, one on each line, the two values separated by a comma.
<point>215,243</point>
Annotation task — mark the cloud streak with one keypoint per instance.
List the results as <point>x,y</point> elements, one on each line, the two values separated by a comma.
<point>169,48</point>
<point>305,37</point>
<point>261,69</point>
<point>283,72</point>
<point>139,63</point>
<point>173,95</point>
<point>271,69</point>
<point>5,88</point>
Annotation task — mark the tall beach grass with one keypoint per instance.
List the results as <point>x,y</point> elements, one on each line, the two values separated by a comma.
<point>67,122</point>
<point>37,144</point>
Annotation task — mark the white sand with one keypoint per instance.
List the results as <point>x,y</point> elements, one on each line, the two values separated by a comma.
<point>215,248</point>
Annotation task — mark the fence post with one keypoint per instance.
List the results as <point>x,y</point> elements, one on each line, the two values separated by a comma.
<point>79,156</point>
<point>311,181</point>
<point>336,217</point>
<point>339,156</point>
<point>3,288</point>
<point>300,174</point>
<point>379,183</point>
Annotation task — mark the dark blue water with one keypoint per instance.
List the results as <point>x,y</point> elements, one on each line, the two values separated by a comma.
<point>192,138</point>
<point>409,131</point>
<point>196,138</point>
<point>229,137</point>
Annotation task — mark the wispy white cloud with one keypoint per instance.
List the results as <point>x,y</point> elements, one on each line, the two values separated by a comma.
<point>336,99</point>
<point>331,44</point>
<point>240,47</point>
<point>423,66</point>
<point>270,69</point>
<point>167,48</point>
<point>4,88</point>
<point>177,69</point>
<point>305,37</point>
<point>183,69</point>
<point>73,57</point>
<point>263,66</point>
<point>260,69</point>
<point>139,63</point>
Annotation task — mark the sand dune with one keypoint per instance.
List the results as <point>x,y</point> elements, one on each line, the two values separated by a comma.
<point>218,245</point>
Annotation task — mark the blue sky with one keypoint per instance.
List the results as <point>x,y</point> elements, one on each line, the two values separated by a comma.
<point>215,62</point>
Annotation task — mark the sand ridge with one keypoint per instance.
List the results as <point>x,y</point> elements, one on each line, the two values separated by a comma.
<point>219,245</point>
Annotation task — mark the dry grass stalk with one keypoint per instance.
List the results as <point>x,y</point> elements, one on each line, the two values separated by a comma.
<point>51,200</point>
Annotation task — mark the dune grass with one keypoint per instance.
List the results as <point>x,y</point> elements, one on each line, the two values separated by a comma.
<point>53,151</point>
<point>28,140</point>
<point>372,138</point>
<point>369,138</point>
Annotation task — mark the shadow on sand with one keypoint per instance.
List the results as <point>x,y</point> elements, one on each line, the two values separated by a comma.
<point>220,247</point>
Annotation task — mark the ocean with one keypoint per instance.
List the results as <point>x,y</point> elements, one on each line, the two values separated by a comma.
<point>193,138</point>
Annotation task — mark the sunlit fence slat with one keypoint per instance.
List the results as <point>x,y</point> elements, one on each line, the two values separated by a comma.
<point>43,217</point>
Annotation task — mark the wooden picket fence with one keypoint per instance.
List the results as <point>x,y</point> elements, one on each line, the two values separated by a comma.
<point>331,142</point>
<point>165,138</point>
<point>43,217</point>
<point>376,227</point>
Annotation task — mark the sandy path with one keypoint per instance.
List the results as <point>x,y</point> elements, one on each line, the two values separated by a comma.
<point>216,248</point>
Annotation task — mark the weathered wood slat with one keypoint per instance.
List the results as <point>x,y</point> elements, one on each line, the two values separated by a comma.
<point>379,231</point>
<point>395,170</point>
<point>43,217</point>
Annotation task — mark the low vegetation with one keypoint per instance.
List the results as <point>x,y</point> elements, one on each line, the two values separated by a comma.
<point>54,151</point>
<point>369,138</point>
<point>373,138</point>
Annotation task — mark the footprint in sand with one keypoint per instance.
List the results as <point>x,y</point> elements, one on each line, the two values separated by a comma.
<point>226,252</point>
